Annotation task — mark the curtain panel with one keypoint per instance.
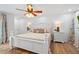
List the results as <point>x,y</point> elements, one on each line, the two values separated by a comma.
<point>3,28</point>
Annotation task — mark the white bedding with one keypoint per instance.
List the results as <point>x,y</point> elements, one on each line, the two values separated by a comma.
<point>33,36</point>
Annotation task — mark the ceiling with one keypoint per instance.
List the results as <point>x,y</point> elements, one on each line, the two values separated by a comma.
<point>48,9</point>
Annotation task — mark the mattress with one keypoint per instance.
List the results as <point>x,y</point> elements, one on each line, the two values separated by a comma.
<point>33,36</point>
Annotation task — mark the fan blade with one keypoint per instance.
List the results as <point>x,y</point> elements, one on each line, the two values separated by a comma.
<point>37,11</point>
<point>34,14</point>
<point>21,9</point>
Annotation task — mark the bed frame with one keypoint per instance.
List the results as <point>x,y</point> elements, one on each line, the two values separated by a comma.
<point>42,47</point>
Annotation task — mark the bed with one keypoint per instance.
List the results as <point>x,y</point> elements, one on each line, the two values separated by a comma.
<point>35,42</point>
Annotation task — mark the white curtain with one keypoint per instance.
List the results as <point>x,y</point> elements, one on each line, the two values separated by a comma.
<point>3,28</point>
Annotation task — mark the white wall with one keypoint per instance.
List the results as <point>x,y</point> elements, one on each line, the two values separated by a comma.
<point>66,24</point>
<point>20,25</point>
<point>46,22</point>
<point>37,22</point>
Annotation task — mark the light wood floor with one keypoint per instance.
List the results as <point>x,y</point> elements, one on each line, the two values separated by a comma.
<point>63,48</point>
<point>56,48</point>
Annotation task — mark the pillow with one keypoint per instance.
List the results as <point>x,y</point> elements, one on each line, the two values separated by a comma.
<point>40,30</point>
<point>34,30</point>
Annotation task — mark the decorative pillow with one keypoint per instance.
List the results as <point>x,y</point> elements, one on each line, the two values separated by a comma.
<point>34,30</point>
<point>40,30</point>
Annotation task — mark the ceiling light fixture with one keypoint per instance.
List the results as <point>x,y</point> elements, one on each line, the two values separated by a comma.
<point>29,11</point>
<point>29,15</point>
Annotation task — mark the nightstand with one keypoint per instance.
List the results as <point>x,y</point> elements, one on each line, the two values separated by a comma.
<point>59,37</point>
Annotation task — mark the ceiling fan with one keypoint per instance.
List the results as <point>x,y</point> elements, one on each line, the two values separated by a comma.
<point>29,11</point>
